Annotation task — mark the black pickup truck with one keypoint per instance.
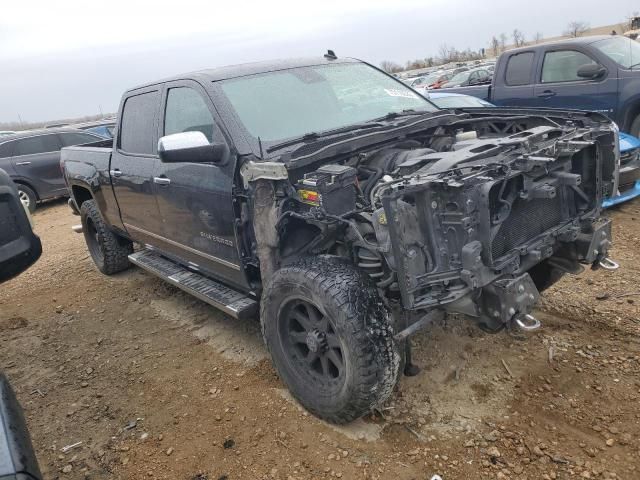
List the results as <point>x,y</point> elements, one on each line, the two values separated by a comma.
<point>345,207</point>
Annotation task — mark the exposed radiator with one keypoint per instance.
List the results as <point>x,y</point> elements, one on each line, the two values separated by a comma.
<point>528,219</point>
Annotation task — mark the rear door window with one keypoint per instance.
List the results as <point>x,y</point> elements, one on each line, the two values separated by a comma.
<point>563,65</point>
<point>36,145</point>
<point>519,68</point>
<point>138,125</point>
<point>6,149</point>
<point>72,138</point>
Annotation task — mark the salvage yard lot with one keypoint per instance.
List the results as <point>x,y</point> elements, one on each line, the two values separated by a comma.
<point>156,384</point>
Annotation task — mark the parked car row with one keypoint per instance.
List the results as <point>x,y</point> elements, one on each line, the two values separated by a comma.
<point>476,74</point>
<point>104,127</point>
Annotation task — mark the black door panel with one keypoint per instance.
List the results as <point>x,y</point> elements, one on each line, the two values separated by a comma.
<point>197,216</point>
<point>195,199</point>
<point>133,164</point>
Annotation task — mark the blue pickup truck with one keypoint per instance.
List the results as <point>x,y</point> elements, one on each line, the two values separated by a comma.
<point>598,73</point>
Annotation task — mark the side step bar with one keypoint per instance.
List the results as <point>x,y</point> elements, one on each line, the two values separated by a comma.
<point>226,299</point>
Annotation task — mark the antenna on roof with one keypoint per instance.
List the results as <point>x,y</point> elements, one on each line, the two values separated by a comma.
<point>330,55</point>
<point>260,146</point>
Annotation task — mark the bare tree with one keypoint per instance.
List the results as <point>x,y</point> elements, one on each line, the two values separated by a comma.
<point>390,67</point>
<point>537,37</point>
<point>576,29</point>
<point>495,46</point>
<point>518,38</point>
<point>445,53</point>
<point>503,42</point>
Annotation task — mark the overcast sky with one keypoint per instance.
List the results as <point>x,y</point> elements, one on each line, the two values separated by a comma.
<point>71,58</point>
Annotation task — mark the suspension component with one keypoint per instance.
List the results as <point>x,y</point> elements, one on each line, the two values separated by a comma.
<point>370,263</point>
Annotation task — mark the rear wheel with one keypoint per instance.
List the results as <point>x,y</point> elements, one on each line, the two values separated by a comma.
<point>330,338</point>
<point>27,197</point>
<point>109,251</point>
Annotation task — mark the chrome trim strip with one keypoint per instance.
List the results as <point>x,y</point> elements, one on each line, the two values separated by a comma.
<point>189,249</point>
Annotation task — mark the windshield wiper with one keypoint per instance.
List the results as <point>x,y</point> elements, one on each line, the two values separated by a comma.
<point>312,136</point>
<point>404,113</point>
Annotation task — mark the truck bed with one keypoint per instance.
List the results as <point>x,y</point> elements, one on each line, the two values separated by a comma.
<point>96,154</point>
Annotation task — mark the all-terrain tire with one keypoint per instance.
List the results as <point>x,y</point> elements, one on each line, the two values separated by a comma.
<point>109,251</point>
<point>358,334</point>
<point>27,197</point>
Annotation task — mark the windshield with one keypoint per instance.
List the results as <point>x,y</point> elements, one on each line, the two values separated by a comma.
<point>624,51</point>
<point>462,101</point>
<point>287,104</point>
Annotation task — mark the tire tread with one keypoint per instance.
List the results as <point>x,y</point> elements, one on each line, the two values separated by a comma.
<point>115,249</point>
<point>377,361</point>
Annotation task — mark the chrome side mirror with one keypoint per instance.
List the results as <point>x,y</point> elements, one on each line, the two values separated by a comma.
<point>191,147</point>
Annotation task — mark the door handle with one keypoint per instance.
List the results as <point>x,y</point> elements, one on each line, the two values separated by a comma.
<point>115,173</point>
<point>547,94</point>
<point>161,180</point>
<point>23,163</point>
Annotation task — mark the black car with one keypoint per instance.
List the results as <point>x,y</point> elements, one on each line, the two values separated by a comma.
<point>32,160</point>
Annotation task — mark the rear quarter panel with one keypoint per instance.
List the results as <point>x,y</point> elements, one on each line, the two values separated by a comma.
<point>88,167</point>
<point>7,166</point>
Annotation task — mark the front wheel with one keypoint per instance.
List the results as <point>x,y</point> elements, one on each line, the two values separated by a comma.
<point>109,251</point>
<point>330,338</point>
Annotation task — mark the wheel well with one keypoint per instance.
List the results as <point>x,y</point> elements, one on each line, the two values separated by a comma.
<point>630,116</point>
<point>80,195</point>
<point>298,235</point>
<point>26,184</point>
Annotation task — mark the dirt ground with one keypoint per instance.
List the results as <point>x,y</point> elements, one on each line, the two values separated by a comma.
<point>158,385</point>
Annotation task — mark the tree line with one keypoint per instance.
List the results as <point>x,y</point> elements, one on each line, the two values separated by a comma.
<point>497,45</point>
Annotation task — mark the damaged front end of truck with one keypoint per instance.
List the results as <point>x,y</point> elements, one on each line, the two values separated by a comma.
<point>483,229</point>
<point>473,213</point>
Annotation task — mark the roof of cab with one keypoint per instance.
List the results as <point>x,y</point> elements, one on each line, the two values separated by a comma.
<point>244,69</point>
<point>564,41</point>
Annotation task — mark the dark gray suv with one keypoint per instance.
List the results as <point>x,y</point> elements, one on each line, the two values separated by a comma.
<point>32,160</point>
